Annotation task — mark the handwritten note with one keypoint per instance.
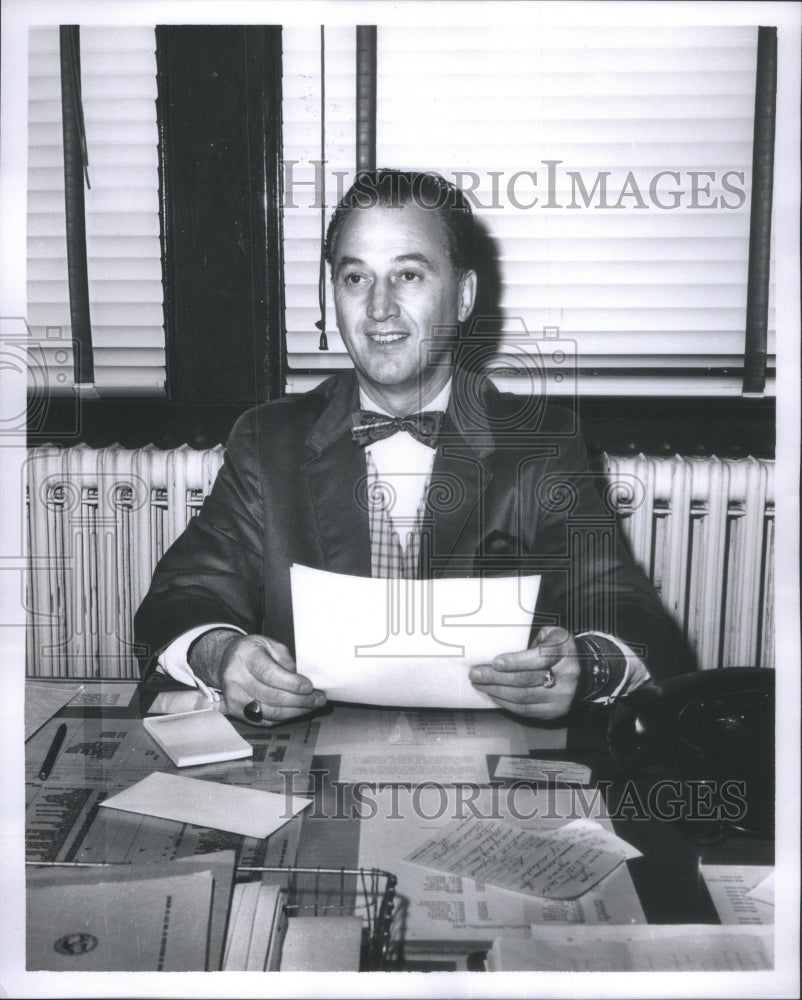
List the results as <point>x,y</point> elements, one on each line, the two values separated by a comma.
<point>248,811</point>
<point>558,864</point>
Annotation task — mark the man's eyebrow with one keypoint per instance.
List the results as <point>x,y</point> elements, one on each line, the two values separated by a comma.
<point>404,258</point>
<point>347,262</point>
<point>419,258</point>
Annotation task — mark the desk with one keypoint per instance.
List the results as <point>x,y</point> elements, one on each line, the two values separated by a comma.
<point>106,750</point>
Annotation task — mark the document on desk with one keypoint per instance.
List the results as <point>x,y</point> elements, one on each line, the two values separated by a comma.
<point>246,811</point>
<point>406,642</point>
<point>220,864</point>
<point>435,906</point>
<point>43,699</point>
<point>391,729</point>
<point>557,864</point>
<point>732,889</point>
<point>555,772</point>
<point>448,762</point>
<point>425,744</point>
<point>106,693</point>
<point>640,948</point>
<point>155,924</point>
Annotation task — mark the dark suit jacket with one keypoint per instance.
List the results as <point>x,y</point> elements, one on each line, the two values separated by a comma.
<point>510,491</point>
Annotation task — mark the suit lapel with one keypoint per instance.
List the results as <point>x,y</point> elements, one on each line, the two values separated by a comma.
<point>460,476</point>
<point>334,473</point>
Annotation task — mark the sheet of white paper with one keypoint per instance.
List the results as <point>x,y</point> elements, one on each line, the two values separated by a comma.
<point>730,888</point>
<point>247,811</point>
<point>763,892</point>
<point>561,864</point>
<point>558,772</point>
<point>445,762</point>
<point>433,906</point>
<point>406,642</point>
<point>639,948</point>
<point>43,700</point>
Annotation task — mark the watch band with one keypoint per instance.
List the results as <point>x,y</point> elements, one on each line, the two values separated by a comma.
<point>603,667</point>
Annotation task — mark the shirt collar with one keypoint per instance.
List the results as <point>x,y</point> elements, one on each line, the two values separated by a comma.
<point>440,401</point>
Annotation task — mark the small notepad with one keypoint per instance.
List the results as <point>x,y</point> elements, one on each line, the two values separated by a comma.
<point>201,737</point>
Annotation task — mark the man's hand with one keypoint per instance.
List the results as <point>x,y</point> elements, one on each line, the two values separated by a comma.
<point>520,682</point>
<point>253,668</point>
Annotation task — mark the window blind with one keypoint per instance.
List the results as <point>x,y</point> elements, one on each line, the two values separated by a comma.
<point>118,70</point>
<point>307,184</point>
<point>611,168</point>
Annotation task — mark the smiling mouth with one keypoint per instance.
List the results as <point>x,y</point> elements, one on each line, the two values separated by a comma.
<point>391,337</point>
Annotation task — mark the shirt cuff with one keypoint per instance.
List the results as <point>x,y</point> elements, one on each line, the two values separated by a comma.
<point>173,659</point>
<point>635,674</point>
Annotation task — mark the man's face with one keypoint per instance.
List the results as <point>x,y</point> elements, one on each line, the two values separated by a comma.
<point>396,294</point>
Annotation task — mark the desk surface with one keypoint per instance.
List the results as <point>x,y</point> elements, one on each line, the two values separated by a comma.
<point>107,749</point>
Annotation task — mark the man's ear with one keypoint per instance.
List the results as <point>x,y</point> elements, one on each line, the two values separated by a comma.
<point>467,294</point>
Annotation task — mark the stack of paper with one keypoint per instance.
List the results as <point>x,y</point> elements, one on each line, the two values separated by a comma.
<point>322,944</point>
<point>202,737</point>
<point>256,928</point>
<point>637,948</point>
<point>155,917</point>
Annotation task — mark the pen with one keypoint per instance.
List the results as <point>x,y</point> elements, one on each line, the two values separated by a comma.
<point>52,753</point>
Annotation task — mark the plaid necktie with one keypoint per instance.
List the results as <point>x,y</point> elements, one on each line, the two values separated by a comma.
<point>369,426</point>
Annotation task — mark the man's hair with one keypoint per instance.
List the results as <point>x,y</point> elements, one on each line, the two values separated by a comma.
<point>396,188</point>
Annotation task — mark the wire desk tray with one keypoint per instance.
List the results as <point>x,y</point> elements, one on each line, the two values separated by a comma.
<point>368,893</point>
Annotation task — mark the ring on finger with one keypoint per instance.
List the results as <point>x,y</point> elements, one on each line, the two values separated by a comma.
<point>550,679</point>
<point>253,712</point>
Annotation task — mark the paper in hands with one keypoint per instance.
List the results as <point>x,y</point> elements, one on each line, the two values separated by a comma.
<point>406,642</point>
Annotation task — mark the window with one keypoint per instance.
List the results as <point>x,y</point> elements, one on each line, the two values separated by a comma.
<point>118,70</point>
<point>611,167</point>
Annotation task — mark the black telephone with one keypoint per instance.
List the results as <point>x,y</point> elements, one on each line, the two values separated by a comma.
<point>714,727</point>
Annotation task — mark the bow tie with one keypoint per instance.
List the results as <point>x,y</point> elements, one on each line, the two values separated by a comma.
<point>369,426</point>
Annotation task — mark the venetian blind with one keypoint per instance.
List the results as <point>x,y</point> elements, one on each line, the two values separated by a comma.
<point>308,184</point>
<point>611,168</point>
<point>118,79</point>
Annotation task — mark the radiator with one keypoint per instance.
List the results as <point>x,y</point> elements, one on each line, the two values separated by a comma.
<point>99,520</point>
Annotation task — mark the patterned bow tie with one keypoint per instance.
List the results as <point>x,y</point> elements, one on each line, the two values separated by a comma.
<point>369,426</point>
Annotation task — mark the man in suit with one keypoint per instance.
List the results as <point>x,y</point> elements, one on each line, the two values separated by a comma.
<point>411,465</point>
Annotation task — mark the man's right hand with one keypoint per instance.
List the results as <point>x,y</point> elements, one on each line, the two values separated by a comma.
<point>254,668</point>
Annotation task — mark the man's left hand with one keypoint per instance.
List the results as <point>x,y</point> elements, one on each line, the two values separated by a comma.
<point>522,682</point>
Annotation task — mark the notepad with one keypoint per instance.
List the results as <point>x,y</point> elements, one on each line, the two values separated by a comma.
<point>201,737</point>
